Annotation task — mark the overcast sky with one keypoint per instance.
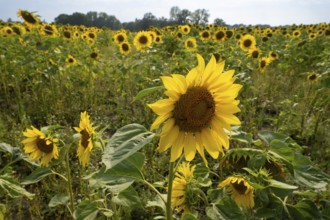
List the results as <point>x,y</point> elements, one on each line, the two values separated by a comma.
<point>273,12</point>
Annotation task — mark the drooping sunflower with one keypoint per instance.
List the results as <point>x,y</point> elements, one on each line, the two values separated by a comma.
<point>29,19</point>
<point>125,48</point>
<point>190,44</point>
<point>142,40</point>
<point>247,42</point>
<point>182,189</point>
<point>86,132</point>
<point>241,191</point>
<point>198,110</point>
<point>40,146</point>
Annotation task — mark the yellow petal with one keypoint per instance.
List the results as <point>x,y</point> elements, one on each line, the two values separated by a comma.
<point>167,140</point>
<point>177,147</point>
<point>160,119</point>
<point>189,147</point>
<point>209,70</point>
<point>162,106</point>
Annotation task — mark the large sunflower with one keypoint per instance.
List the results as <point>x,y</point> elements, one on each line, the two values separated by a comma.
<point>29,19</point>
<point>182,189</point>
<point>199,109</point>
<point>86,132</point>
<point>241,191</point>
<point>38,146</point>
<point>142,40</point>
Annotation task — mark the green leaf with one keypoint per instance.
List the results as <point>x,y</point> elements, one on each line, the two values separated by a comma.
<point>241,136</point>
<point>146,92</point>
<point>304,209</point>
<point>188,216</point>
<point>225,209</point>
<point>157,203</point>
<point>268,136</point>
<point>7,148</point>
<point>280,185</point>
<point>124,143</point>
<point>58,199</point>
<point>121,176</point>
<point>128,198</point>
<point>10,186</point>
<point>86,210</point>
<point>325,209</point>
<point>37,175</point>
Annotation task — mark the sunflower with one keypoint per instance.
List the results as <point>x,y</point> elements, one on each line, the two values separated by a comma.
<point>263,63</point>
<point>142,40</point>
<point>241,191</point>
<point>199,109</point>
<point>7,31</point>
<point>272,55</point>
<point>70,60</point>
<point>296,33</point>
<point>29,19</point>
<point>48,30</point>
<point>312,36</point>
<point>120,37</point>
<point>254,53</point>
<point>125,48</point>
<point>312,77</point>
<point>38,146</point>
<point>205,35</point>
<point>185,29</point>
<point>86,132</point>
<point>183,197</point>
<point>158,39</point>
<point>67,34</point>
<point>247,42</point>
<point>219,36</point>
<point>190,44</point>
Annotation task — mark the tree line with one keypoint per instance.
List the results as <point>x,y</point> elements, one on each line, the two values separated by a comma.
<point>102,19</point>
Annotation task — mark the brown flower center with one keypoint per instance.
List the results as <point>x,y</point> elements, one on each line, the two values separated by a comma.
<point>29,18</point>
<point>120,38</point>
<point>247,43</point>
<point>194,110</point>
<point>143,40</point>
<point>85,136</point>
<point>42,145</point>
<point>239,187</point>
<point>125,47</point>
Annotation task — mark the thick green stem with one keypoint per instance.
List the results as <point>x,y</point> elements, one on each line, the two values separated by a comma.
<point>169,192</point>
<point>69,182</point>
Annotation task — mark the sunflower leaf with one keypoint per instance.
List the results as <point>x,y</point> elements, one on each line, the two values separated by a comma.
<point>37,175</point>
<point>12,188</point>
<point>58,199</point>
<point>86,210</point>
<point>124,143</point>
<point>146,92</point>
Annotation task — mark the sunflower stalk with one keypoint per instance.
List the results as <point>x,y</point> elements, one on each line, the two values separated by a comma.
<point>169,192</point>
<point>69,182</point>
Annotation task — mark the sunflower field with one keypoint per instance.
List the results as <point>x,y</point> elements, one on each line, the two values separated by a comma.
<point>180,122</point>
